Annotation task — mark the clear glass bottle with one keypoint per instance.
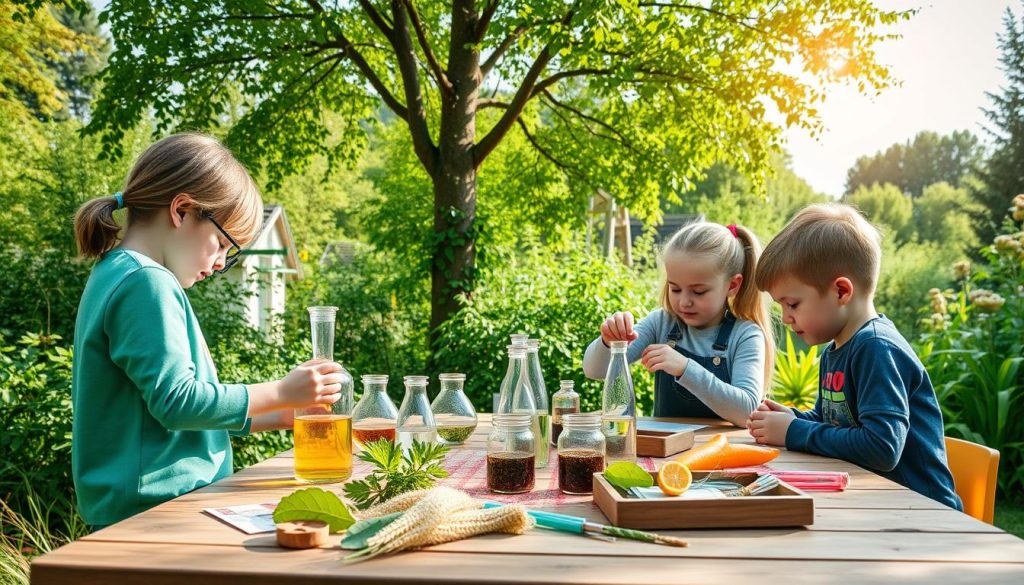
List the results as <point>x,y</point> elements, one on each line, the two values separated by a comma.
<point>453,412</point>
<point>511,451</point>
<point>323,432</point>
<point>375,416</point>
<point>540,400</point>
<point>517,369</point>
<point>581,453</point>
<point>565,401</point>
<point>415,419</point>
<point>519,339</point>
<point>619,407</point>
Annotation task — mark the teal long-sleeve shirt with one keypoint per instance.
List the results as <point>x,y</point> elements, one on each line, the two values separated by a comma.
<point>151,420</point>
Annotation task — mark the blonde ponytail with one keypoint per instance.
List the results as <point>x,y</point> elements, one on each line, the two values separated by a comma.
<point>754,305</point>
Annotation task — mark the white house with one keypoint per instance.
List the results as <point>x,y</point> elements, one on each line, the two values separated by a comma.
<point>264,266</point>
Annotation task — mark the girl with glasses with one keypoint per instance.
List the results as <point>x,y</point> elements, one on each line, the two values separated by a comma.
<point>151,419</point>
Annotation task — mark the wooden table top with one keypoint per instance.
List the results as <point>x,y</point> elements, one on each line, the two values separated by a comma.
<point>874,532</point>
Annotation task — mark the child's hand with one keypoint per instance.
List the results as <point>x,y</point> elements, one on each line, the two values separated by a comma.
<point>769,427</point>
<point>769,405</point>
<point>314,382</point>
<point>618,327</point>
<point>660,357</point>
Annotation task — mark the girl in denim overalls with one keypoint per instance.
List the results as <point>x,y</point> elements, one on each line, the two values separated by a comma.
<point>710,345</point>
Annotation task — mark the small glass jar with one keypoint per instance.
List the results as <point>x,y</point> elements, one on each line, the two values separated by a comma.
<point>453,412</point>
<point>375,416</point>
<point>565,401</point>
<point>415,419</point>
<point>511,451</point>
<point>581,453</point>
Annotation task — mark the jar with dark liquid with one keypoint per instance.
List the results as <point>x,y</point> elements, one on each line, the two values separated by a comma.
<point>511,452</point>
<point>581,453</point>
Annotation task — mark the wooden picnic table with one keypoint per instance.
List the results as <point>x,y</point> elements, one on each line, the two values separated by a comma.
<point>874,532</point>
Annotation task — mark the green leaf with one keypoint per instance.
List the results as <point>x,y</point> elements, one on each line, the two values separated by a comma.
<point>362,531</point>
<point>314,504</point>
<point>625,475</point>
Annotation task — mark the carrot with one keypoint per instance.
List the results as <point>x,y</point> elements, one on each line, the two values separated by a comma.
<point>718,453</point>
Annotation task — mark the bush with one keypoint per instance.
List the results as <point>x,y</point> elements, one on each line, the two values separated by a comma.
<point>560,300</point>
<point>973,353</point>
<point>795,382</point>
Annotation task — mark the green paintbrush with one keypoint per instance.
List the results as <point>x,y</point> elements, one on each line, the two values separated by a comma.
<point>580,525</point>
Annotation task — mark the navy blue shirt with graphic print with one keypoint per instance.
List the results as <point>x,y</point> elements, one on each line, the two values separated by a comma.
<point>877,408</point>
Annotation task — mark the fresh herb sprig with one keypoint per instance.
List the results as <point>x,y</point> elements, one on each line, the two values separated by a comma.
<point>396,472</point>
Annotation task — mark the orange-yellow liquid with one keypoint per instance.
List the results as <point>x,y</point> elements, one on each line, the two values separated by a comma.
<point>323,448</point>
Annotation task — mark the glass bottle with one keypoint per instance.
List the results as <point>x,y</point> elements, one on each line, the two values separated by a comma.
<point>619,407</point>
<point>415,420</point>
<point>581,453</point>
<point>453,412</point>
<point>516,370</point>
<point>540,400</point>
<point>565,401</point>
<point>375,417</point>
<point>519,339</point>
<point>510,454</point>
<point>323,432</point>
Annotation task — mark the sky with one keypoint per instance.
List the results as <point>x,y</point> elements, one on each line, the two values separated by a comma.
<point>946,59</point>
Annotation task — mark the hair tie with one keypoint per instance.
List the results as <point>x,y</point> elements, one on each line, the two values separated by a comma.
<point>119,198</point>
<point>733,230</point>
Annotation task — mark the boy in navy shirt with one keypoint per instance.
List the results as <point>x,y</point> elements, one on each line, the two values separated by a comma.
<point>876,406</point>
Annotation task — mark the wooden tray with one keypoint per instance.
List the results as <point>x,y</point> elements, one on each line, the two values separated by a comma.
<point>662,443</point>
<point>784,506</point>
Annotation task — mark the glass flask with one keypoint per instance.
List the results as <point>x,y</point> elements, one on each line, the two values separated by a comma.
<point>517,368</point>
<point>619,407</point>
<point>375,416</point>
<point>453,412</point>
<point>323,432</point>
<point>510,453</point>
<point>565,401</point>
<point>540,400</point>
<point>581,453</point>
<point>415,420</point>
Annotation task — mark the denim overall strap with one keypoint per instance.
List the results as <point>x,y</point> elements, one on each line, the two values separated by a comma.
<point>671,398</point>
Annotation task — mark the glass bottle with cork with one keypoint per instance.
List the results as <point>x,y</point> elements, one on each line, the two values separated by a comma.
<point>565,401</point>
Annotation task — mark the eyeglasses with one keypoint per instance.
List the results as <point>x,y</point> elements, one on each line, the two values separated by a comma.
<point>234,251</point>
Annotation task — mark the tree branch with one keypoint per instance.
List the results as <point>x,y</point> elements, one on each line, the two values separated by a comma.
<point>491,103</point>
<point>485,19</point>
<point>730,17</point>
<point>377,19</point>
<point>498,51</point>
<point>549,81</point>
<point>621,137</point>
<point>342,42</point>
<point>424,147</point>
<point>489,142</point>
<point>421,34</point>
<point>541,149</point>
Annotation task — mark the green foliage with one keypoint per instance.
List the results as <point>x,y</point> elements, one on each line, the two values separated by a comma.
<point>973,354</point>
<point>943,215</point>
<point>626,474</point>
<point>358,534</point>
<point>911,167</point>
<point>35,423</point>
<point>795,381</point>
<point>559,298</point>
<point>1001,178</point>
<point>41,527</point>
<point>314,504</point>
<point>396,471</point>
<point>908,272</point>
<point>886,207</point>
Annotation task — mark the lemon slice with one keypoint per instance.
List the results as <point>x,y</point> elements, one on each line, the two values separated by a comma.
<point>674,478</point>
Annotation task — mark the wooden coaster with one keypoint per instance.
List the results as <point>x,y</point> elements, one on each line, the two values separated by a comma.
<point>302,534</point>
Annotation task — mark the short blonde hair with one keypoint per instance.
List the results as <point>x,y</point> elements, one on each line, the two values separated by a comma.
<point>190,163</point>
<point>823,242</point>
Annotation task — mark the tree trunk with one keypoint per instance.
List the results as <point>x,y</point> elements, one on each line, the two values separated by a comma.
<point>452,268</point>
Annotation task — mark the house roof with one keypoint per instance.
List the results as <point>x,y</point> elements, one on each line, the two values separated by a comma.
<point>274,218</point>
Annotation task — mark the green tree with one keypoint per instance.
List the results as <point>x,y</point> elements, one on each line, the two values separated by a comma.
<point>887,207</point>
<point>929,158</point>
<point>633,94</point>
<point>943,215</point>
<point>1001,177</point>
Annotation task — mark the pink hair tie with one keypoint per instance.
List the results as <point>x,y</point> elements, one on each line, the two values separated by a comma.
<point>732,229</point>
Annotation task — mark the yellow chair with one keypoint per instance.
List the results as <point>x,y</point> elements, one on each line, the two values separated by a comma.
<point>975,468</point>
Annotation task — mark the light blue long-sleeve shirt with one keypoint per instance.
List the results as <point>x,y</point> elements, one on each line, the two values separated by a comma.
<point>745,356</point>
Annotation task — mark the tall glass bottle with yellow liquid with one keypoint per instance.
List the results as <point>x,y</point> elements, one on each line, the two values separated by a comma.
<point>323,433</point>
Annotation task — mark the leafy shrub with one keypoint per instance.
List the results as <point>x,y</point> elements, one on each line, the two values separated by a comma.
<point>973,353</point>
<point>795,382</point>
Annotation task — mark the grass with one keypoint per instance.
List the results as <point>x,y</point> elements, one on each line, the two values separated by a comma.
<point>1010,517</point>
<point>26,536</point>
